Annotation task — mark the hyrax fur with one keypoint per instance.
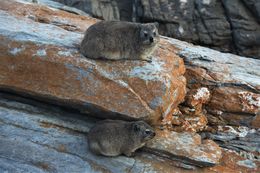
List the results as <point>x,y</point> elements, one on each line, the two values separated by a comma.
<point>116,137</point>
<point>116,40</point>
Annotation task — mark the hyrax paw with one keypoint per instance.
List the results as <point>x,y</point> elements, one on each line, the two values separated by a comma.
<point>148,59</point>
<point>128,154</point>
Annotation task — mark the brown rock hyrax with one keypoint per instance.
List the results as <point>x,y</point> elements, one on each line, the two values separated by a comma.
<point>116,40</point>
<point>115,137</point>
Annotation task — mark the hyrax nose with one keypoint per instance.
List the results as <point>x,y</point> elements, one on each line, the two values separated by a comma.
<point>153,134</point>
<point>151,39</point>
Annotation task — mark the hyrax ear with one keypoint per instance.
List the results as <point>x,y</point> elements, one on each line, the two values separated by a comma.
<point>136,127</point>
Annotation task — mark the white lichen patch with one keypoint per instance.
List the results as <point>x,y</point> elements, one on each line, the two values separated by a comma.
<point>41,52</point>
<point>202,93</point>
<point>183,3</point>
<point>241,131</point>
<point>202,10</point>
<point>219,112</point>
<point>206,2</point>
<point>180,29</point>
<point>16,50</point>
<point>249,98</point>
<point>153,71</point>
<point>248,155</point>
<point>247,163</point>
<point>250,101</point>
<point>24,1</point>
<point>64,53</point>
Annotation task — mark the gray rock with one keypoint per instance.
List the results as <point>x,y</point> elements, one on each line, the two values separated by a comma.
<point>254,7</point>
<point>245,29</point>
<point>39,137</point>
<point>57,5</point>
<point>244,140</point>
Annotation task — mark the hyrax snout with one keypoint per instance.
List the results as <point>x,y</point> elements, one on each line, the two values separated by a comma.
<point>116,137</point>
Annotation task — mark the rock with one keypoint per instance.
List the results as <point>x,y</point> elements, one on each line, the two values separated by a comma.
<point>255,122</point>
<point>245,28</point>
<point>196,97</point>
<point>42,14</point>
<point>253,5</point>
<point>241,139</point>
<point>39,137</point>
<point>232,80</point>
<point>107,10</point>
<point>39,58</point>
<point>232,162</point>
<point>59,139</point>
<point>60,6</point>
<point>228,26</point>
<point>185,119</point>
<point>44,138</point>
<point>192,111</point>
<point>187,147</point>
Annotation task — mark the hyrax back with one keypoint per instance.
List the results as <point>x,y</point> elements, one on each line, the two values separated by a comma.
<point>115,40</point>
<point>115,137</point>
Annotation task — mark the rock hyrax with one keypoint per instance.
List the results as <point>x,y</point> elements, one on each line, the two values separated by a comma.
<point>115,137</point>
<point>115,40</point>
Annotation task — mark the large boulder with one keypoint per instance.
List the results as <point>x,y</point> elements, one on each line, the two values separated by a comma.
<point>38,137</point>
<point>39,57</point>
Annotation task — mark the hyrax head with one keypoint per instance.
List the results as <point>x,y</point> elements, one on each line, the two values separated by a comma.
<point>143,130</point>
<point>149,34</point>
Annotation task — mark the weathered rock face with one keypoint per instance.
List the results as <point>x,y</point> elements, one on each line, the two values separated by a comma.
<point>37,137</point>
<point>229,26</point>
<point>107,10</point>
<point>232,81</point>
<point>244,21</point>
<point>186,145</point>
<point>189,116</point>
<point>39,57</point>
<point>241,139</point>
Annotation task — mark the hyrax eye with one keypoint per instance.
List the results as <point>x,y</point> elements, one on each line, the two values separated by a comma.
<point>154,33</point>
<point>147,131</point>
<point>145,34</point>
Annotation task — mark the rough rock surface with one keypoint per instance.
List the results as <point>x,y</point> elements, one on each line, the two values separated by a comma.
<point>233,82</point>
<point>241,139</point>
<point>186,145</point>
<point>37,137</point>
<point>39,56</point>
<point>39,59</point>
<point>191,115</point>
<point>229,26</point>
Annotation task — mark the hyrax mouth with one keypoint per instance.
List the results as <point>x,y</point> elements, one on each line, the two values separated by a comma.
<point>151,135</point>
